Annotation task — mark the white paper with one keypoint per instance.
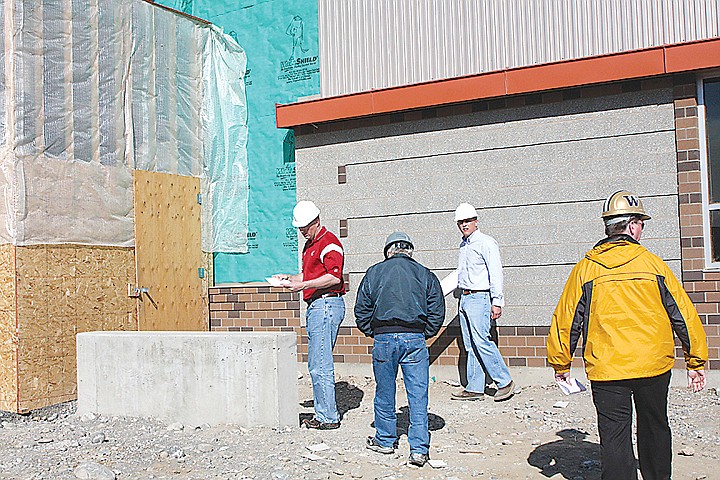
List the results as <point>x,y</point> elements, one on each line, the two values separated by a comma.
<point>318,447</point>
<point>313,457</point>
<point>276,282</point>
<point>449,283</point>
<point>437,463</point>
<point>560,404</point>
<point>570,386</point>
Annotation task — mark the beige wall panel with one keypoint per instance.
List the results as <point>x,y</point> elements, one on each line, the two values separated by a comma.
<point>32,295</point>
<point>63,289</point>
<point>61,260</point>
<point>8,329</point>
<point>89,323</point>
<point>87,260</point>
<point>7,291</point>
<point>31,262</point>
<point>167,242</point>
<point>8,361</point>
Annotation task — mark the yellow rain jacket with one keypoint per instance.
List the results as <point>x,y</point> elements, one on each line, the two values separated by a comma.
<point>626,303</point>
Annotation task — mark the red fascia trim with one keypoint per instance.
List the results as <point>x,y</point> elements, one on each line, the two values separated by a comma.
<point>649,62</point>
<point>692,56</point>
<point>575,73</point>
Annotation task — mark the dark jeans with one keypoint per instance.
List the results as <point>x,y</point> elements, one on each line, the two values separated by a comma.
<point>654,443</point>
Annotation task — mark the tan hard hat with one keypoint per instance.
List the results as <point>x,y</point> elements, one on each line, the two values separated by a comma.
<point>623,203</point>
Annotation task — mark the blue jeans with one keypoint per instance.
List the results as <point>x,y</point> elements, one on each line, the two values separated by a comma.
<point>324,317</point>
<point>482,353</point>
<point>409,351</point>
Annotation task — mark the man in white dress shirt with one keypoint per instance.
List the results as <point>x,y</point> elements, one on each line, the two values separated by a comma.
<point>480,279</point>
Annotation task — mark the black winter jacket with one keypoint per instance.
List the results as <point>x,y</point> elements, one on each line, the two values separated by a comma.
<point>401,294</point>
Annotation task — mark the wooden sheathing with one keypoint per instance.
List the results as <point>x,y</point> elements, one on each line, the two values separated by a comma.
<point>8,330</point>
<point>63,290</point>
<point>169,253</point>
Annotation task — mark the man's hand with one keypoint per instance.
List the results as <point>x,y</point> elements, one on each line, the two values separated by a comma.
<point>495,312</point>
<point>696,380</point>
<point>562,377</point>
<point>295,286</point>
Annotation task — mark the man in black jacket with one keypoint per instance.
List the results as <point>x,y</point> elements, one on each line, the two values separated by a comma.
<point>400,304</point>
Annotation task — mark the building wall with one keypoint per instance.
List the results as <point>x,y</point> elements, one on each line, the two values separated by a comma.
<point>539,166</point>
<point>50,293</point>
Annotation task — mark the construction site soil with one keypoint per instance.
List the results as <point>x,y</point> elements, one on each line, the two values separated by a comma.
<point>533,435</point>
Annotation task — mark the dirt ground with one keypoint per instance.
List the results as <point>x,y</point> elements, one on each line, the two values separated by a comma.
<point>530,436</point>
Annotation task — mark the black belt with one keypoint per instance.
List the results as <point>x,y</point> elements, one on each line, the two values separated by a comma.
<point>468,292</point>
<point>324,295</point>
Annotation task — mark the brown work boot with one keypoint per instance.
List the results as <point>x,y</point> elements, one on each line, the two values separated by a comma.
<point>465,395</point>
<point>505,392</point>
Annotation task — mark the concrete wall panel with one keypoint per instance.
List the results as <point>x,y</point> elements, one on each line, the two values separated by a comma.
<point>194,378</point>
<point>538,175</point>
<point>601,117</point>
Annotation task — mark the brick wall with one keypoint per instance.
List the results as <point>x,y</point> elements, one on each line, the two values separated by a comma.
<point>263,308</point>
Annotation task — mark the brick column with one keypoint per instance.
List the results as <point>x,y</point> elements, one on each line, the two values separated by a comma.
<point>702,286</point>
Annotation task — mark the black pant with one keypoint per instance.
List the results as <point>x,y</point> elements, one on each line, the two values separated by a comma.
<point>654,443</point>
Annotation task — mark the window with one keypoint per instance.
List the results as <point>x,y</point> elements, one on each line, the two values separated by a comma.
<point>710,103</point>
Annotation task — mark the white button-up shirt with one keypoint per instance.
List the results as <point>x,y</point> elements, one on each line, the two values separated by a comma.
<point>480,267</point>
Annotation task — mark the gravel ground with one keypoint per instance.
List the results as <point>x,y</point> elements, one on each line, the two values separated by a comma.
<point>527,437</point>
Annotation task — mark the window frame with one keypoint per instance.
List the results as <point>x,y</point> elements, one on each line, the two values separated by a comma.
<point>707,207</point>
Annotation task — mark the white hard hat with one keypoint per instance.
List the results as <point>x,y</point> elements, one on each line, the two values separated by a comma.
<point>465,211</point>
<point>304,213</point>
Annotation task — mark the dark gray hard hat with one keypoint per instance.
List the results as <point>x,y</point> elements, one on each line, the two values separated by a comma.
<point>396,237</point>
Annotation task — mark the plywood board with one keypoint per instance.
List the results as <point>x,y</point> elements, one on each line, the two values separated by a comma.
<point>168,252</point>
<point>61,290</point>
<point>8,330</point>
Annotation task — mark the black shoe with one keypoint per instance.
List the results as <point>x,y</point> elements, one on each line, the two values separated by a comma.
<point>318,425</point>
<point>418,459</point>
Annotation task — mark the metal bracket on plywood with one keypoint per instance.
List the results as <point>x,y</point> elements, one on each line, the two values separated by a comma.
<point>136,292</point>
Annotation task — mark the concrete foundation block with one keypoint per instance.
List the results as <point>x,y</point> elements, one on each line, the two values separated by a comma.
<point>194,378</point>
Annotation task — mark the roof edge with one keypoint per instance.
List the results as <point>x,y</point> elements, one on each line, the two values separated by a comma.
<point>649,62</point>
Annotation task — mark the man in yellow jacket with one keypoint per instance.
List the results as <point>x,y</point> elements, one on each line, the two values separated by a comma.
<point>626,303</point>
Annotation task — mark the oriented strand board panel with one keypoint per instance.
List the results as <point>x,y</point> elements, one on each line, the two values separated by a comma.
<point>63,290</point>
<point>8,329</point>
<point>169,254</point>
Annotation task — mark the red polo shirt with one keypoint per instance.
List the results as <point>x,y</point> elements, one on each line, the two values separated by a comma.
<point>323,254</point>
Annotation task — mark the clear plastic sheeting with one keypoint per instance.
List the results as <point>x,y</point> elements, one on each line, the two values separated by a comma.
<point>225,144</point>
<point>104,87</point>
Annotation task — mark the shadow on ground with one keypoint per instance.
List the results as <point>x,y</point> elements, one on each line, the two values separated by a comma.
<point>435,422</point>
<point>347,397</point>
<point>571,457</point>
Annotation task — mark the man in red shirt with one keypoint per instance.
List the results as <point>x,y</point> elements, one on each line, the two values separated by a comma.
<point>323,287</point>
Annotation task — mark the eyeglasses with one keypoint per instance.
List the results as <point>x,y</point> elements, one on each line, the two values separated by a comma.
<point>467,220</point>
<point>641,223</point>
